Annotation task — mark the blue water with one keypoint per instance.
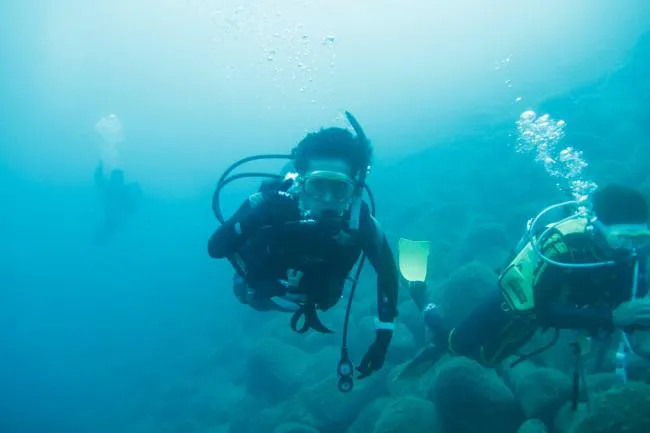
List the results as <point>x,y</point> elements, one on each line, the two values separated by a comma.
<point>106,338</point>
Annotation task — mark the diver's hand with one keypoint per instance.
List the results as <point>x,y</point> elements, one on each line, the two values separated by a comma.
<point>633,314</point>
<point>293,278</point>
<point>376,354</point>
<point>255,218</point>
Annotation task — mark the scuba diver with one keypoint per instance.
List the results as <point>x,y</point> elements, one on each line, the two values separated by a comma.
<point>586,273</point>
<point>120,200</point>
<point>294,242</point>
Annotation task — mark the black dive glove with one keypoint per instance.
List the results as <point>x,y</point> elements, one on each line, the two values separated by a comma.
<point>374,358</point>
<point>266,209</point>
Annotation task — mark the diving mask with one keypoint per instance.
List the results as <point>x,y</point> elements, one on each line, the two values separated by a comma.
<point>328,186</point>
<point>630,237</point>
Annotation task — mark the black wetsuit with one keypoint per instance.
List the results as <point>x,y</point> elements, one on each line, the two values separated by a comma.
<point>266,235</point>
<point>120,202</point>
<point>580,299</point>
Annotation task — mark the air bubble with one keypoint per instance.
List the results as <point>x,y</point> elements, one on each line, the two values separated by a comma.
<point>527,115</point>
<point>541,135</point>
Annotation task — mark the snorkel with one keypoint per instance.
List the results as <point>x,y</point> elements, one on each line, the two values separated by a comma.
<point>355,209</point>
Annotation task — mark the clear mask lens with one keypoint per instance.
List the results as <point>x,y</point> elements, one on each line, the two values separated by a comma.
<point>328,186</point>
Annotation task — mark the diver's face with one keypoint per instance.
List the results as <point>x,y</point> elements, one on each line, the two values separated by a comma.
<point>327,187</point>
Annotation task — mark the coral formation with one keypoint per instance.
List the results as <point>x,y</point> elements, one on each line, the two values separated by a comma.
<point>621,409</point>
<point>407,415</point>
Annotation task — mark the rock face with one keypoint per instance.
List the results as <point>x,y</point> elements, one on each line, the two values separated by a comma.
<point>264,420</point>
<point>322,406</point>
<point>542,392</point>
<point>464,289</point>
<point>533,426</point>
<point>487,243</point>
<point>275,370</point>
<point>621,409</point>
<point>367,418</point>
<point>598,384</point>
<point>567,418</point>
<point>294,428</point>
<point>407,415</point>
<point>470,397</point>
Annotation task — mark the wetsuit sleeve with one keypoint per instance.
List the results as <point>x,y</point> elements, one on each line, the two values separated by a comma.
<point>233,233</point>
<point>592,318</point>
<point>380,255</point>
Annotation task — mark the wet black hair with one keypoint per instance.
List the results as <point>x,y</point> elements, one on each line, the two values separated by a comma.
<point>338,143</point>
<point>618,204</point>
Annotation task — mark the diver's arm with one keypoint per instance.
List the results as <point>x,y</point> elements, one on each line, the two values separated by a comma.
<point>381,257</point>
<point>567,317</point>
<point>233,233</point>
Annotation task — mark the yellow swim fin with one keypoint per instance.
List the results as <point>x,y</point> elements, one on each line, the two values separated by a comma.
<point>413,258</point>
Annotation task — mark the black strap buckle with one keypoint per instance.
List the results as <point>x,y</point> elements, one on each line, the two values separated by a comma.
<point>311,320</point>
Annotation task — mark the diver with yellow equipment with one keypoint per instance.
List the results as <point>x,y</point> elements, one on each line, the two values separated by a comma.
<point>294,242</point>
<point>585,272</point>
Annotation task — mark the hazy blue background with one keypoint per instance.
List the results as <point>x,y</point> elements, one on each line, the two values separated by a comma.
<point>196,85</point>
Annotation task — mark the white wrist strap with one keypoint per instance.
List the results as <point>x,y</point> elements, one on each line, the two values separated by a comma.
<point>385,326</point>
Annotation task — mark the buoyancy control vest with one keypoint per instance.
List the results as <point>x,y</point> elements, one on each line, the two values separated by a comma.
<point>518,280</point>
